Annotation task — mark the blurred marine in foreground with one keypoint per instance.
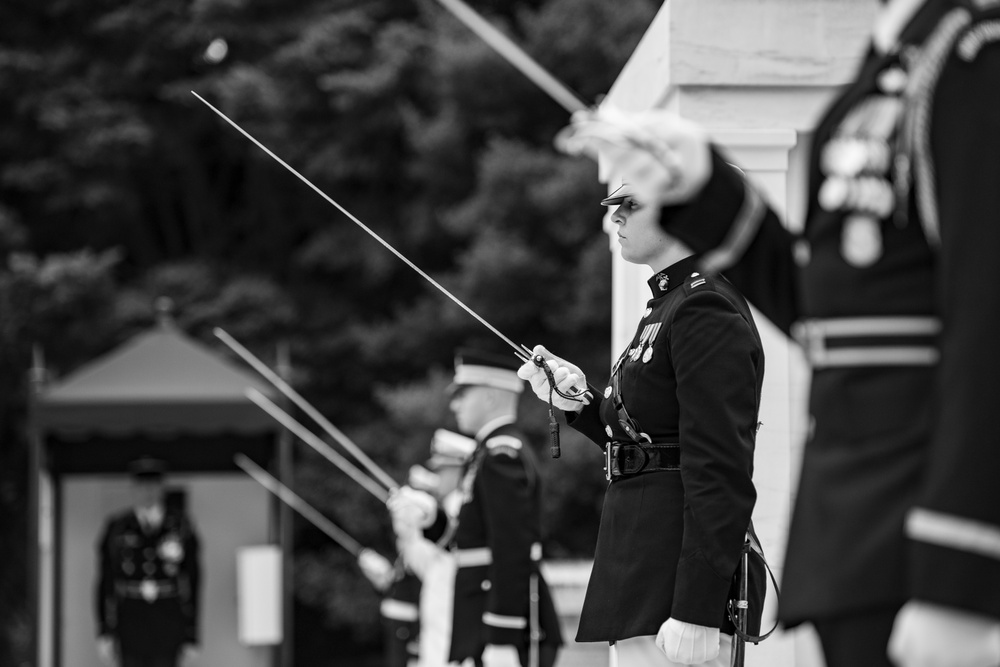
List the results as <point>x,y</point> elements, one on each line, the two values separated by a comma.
<point>891,290</point>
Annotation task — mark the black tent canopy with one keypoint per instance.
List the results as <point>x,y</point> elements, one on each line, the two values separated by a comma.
<point>161,394</point>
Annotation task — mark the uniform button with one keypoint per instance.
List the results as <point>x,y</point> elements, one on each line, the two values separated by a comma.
<point>607,429</point>
<point>607,392</point>
<point>486,585</point>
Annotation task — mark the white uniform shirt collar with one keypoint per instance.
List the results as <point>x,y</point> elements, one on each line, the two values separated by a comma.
<point>890,22</point>
<point>493,425</point>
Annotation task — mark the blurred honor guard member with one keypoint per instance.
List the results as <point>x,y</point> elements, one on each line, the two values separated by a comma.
<point>147,588</point>
<point>400,591</point>
<point>503,610</point>
<point>678,425</point>
<point>892,291</point>
<point>424,551</point>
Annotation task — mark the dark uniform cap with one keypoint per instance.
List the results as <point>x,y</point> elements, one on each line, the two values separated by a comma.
<point>147,468</point>
<point>475,368</point>
<point>618,196</point>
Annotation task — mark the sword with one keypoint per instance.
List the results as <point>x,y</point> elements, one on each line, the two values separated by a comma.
<point>521,351</point>
<point>311,439</point>
<point>297,399</point>
<point>742,605</point>
<point>313,515</point>
<point>514,55</point>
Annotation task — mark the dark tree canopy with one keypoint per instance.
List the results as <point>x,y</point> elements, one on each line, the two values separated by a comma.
<point>118,186</point>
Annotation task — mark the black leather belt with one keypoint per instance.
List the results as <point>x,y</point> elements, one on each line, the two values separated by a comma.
<point>625,459</point>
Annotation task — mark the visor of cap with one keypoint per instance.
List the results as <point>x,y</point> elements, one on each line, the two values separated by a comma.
<point>618,196</point>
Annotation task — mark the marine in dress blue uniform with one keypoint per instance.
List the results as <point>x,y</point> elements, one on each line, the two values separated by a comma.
<point>148,581</point>
<point>679,500</point>
<point>501,598</point>
<point>677,423</point>
<point>891,290</point>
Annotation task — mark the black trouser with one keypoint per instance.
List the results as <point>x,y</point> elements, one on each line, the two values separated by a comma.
<point>546,655</point>
<point>858,639</point>
<point>148,659</point>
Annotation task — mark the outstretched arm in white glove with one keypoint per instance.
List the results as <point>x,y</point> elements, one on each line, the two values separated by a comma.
<point>687,643</point>
<point>569,379</point>
<point>665,158</point>
<point>929,635</point>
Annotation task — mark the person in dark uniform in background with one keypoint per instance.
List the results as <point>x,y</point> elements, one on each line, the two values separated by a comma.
<point>423,548</point>
<point>894,543</point>
<point>148,579</point>
<point>399,611</point>
<point>678,424</point>
<point>503,612</point>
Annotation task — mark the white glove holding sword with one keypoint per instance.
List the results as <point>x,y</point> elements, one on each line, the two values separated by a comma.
<point>569,380</point>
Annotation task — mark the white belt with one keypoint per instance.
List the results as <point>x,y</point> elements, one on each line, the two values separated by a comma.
<point>484,556</point>
<point>398,610</point>
<point>814,334</point>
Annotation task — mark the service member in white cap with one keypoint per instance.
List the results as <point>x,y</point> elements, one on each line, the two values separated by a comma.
<point>503,612</point>
<point>677,422</point>
<point>891,287</point>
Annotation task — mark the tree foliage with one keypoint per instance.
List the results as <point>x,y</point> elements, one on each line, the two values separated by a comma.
<point>118,186</point>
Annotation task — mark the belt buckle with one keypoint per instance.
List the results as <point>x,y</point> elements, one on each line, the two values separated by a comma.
<point>611,461</point>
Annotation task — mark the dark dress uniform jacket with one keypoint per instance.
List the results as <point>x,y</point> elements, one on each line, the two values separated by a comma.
<point>897,497</point>
<point>501,520</point>
<point>669,541</point>
<point>147,589</point>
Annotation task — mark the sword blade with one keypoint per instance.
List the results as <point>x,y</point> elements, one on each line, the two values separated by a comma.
<point>296,398</point>
<point>289,497</point>
<point>517,349</point>
<point>514,55</point>
<point>314,441</point>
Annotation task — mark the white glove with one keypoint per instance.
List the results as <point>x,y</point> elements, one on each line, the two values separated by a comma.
<point>569,379</point>
<point>189,655</point>
<point>106,650</point>
<point>687,643</point>
<point>665,158</point>
<point>500,655</point>
<point>929,635</point>
<point>411,510</point>
<point>419,554</point>
<point>377,569</point>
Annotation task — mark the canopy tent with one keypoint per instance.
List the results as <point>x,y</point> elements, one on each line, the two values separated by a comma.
<point>161,394</point>
<point>166,395</point>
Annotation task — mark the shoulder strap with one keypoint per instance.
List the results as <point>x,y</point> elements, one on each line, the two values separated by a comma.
<point>914,133</point>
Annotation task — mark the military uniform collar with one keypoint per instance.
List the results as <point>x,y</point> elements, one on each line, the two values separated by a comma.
<point>493,425</point>
<point>672,276</point>
<point>905,21</point>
